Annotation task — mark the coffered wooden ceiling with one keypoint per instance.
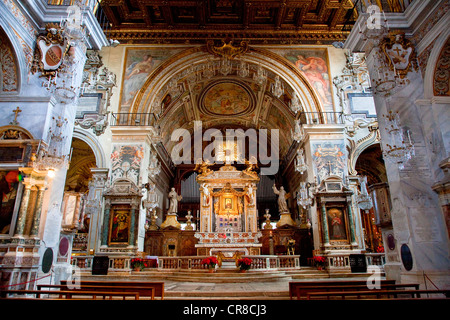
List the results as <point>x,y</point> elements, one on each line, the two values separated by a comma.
<point>258,21</point>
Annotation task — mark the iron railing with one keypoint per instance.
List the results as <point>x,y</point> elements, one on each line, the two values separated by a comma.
<point>133,119</point>
<point>327,117</point>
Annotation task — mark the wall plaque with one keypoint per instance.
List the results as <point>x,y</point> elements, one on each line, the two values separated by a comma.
<point>407,259</point>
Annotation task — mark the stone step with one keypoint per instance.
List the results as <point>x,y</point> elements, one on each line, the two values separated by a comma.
<point>232,295</point>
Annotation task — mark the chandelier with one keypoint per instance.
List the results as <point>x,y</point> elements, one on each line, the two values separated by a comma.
<point>243,69</point>
<point>277,88</point>
<point>299,133</point>
<point>225,66</point>
<point>303,197</point>
<point>62,82</point>
<point>398,150</point>
<point>295,104</point>
<point>260,75</point>
<point>300,164</point>
<point>385,79</point>
<point>363,199</point>
<point>54,158</point>
<point>155,166</point>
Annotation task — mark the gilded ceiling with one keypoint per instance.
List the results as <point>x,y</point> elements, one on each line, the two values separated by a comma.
<point>257,21</point>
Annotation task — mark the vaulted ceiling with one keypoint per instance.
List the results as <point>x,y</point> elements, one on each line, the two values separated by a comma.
<point>258,21</point>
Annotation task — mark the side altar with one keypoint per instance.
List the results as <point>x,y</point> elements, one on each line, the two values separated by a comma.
<point>228,215</point>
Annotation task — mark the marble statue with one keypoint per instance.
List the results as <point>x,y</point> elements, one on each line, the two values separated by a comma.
<point>174,198</point>
<point>282,196</point>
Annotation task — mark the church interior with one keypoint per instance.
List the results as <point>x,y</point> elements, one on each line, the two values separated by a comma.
<point>221,142</point>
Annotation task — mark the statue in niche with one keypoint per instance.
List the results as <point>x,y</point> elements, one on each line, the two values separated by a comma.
<point>282,196</point>
<point>206,195</point>
<point>174,198</point>
<point>250,194</point>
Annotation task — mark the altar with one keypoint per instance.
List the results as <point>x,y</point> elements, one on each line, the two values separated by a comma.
<point>228,215</point>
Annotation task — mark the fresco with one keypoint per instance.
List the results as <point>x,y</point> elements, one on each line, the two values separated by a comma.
<point>226,99</point>
<point>126,162</point>
<point>329,159</point>
<point>139,63</point>
<point>313,63</point>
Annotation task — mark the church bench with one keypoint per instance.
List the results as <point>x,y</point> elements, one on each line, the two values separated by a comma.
<point>377,293</point>
<point>68,294</point>
<point>303,291</point>
<point>299,284</point>
<point>158,286</point>
<point>143,291</point>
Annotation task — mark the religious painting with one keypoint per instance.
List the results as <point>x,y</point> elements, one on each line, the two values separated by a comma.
<point>9,184</point>
<point>228,203</point>
<point>313,63</point>
<point>329,159</point>
<point>336,224</point>
<point>120,225</point>
<point>226,99</point>
<point>139,63</point>
<point>126,162</point>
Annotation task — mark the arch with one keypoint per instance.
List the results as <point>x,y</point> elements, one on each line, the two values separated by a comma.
<point>356,148</point>
<point>21,60</point>
<point>273,62</point>
<point>94,144</point>
<point>439,45</point>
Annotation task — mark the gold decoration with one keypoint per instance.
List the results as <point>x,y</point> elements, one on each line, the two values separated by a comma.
<point>227,50</point>
<point>202,168</point>
<point>50,51</point>
<point>399,53</point>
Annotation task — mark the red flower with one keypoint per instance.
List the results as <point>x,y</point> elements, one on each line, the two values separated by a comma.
<point>380,249</point>
<point>319,259</point>
<point>244,263</point>
<point>211,261</point>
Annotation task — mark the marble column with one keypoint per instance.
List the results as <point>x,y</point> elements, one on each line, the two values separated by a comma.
<point>351,221</point>
<point>326,238</point>
<point>131,240</point>
<point>105,230</point>
<point>37,214</point>
<point>21,219</point>
<point>96,187</point>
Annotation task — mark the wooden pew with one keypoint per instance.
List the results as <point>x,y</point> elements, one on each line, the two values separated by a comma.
<point>68,294</point>
<point>303,291</point>
<point>299,284</point>
<point>377,293</point>
<point>159,286</point>
<point>143,291</point>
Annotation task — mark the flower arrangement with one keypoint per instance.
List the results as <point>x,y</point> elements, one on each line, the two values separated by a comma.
<point>379,249</point>
<point>244,263</point>
<point>138,263</point>
<point>210,261</point>
<point>319,261</point>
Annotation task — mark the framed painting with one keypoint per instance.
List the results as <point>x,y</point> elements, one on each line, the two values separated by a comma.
<point>9,189</point>
<point>228,204</point>
<point>119,231</point>
<point>337,224</point>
